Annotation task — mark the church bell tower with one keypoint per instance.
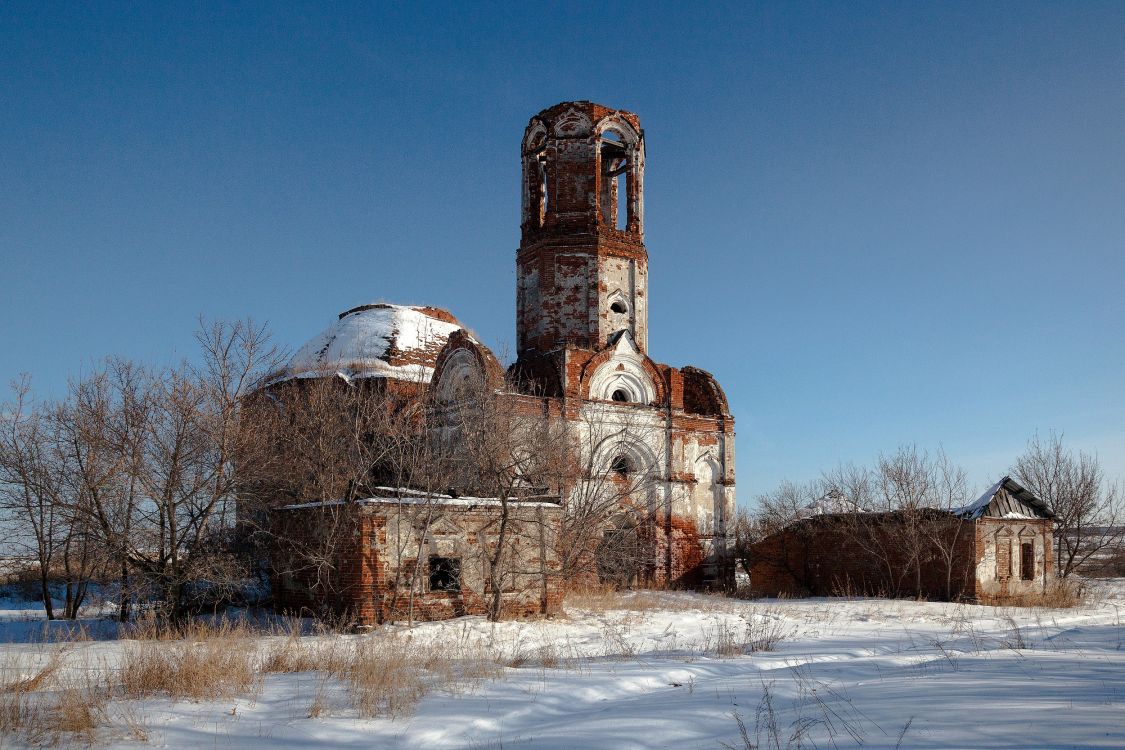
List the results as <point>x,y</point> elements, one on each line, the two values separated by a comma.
<point>582,267</point>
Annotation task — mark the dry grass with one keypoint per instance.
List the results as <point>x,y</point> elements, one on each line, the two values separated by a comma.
<point>759,631</point>
<point>197,670</point>
<point>595,598</point>
<point>387,674</point>
<point>20,706</point>
<point>16,679</point>
<point>41,705</point>
<point>296,654</point>
<point>385,679</point>
<point>605,598</point>
<point>383,674</point>
<point>319,705</point>
<point>821,717</point>
<point>1061,593</point>
<point>601,599</point>
<point>80,708</point>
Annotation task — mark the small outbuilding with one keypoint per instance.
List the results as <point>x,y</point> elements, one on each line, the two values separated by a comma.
<point>415,555</point>
<point>996,550</point>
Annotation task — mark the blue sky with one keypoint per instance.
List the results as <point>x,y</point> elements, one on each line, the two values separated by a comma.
<point>875,223</point>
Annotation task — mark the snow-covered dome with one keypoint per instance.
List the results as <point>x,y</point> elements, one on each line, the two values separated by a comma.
<point>377,340</point>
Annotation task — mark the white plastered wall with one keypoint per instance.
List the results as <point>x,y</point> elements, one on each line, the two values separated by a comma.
<point>623,279</point>
<point>609,428</point>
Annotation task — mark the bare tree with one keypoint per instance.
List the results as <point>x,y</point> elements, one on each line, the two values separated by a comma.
<point>137,469</point>
<point>905,521</point>
<point>1089,509</point>
<point>948,531</point>
<point>504,447</point>
<point>102,428</point>
<point>777,517</point>
<point>330,443</point>
<point>747,533</point>
<point>155,455</point>
<point>41,495</point>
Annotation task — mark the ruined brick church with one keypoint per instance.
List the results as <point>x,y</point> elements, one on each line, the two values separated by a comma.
<point>582,303</point>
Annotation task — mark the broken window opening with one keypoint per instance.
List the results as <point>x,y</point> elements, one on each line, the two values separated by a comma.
<point>619,395</point>
<point>622,466</point>
<point>618,307</point>
<point>1027,561</point>
<point>445,574</point>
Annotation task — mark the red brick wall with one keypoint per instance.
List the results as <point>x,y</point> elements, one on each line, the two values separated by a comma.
<point>824,556</point>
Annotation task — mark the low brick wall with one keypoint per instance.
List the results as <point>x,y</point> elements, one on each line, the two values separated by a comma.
<point>838,555</point>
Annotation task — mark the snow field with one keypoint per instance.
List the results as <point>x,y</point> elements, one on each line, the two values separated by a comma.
<point>642,670</point>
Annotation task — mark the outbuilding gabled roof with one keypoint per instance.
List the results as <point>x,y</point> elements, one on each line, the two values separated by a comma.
<point>1007,489</point>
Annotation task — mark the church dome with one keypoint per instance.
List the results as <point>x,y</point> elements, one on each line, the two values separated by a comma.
<point>376,341</point>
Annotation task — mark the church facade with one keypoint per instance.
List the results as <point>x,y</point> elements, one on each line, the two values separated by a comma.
<point>582,306</point>
<point>662,435</point>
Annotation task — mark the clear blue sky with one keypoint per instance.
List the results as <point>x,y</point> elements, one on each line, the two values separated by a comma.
<point>875,223</point>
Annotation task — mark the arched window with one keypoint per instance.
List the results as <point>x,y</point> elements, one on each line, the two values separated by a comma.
<point>459,378</point>
<point>536,198</point>
<point>619,307</point>
<point>620,395</point>
<point>624,371</point>
<point>544,194</point>
<point>614,153</point>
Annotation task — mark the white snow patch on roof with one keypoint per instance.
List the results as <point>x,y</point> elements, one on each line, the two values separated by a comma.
<point>976,508</point>
<point>423,499</point>
<point>362,343</point>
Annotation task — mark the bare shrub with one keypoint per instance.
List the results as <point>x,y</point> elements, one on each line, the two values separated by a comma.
<point>766,631</point>
<point>1060,593</point>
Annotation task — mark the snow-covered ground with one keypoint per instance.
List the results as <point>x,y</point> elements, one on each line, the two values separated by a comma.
<point>678,670</point>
